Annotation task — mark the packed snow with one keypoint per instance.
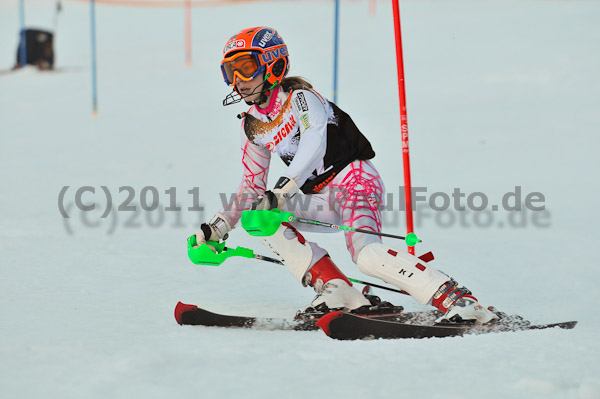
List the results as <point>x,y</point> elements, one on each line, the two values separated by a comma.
<point>501,94</point>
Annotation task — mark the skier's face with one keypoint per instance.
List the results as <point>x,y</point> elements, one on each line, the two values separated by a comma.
<point>252,86</point>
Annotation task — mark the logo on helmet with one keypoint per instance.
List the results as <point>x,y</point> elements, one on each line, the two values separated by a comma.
<point>266,37</point>
<point>273,54</point>
<point>233,45</point>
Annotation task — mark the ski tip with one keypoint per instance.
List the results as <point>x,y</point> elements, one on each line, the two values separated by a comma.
<point>324,321</point>
<point>180,309</point>
<point>568,325</point>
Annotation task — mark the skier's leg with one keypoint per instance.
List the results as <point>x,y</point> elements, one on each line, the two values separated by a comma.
<point>311,265</point>
<point>358,207</point>
<point>424,283</point>
<point>356,195</point>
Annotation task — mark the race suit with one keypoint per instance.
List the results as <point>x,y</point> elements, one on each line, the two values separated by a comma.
<point>326,155</point>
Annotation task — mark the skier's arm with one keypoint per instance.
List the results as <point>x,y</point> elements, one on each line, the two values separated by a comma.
<point>311,116</point>
<point>255,161</point>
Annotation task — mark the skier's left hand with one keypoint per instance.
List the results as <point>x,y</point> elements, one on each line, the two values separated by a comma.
<point>284,189</point>
<point>265,202</point>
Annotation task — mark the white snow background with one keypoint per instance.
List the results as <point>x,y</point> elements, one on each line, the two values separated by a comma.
<point>500,94</point>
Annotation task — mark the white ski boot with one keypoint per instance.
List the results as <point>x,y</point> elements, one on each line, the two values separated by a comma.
<point>467,309</point>
<point>460,306</point>
<point>334,290</point>
<point>311,266</point>
<point>424,283</point>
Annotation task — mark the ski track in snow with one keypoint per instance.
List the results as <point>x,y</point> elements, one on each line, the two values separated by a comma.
<point>500,94</point>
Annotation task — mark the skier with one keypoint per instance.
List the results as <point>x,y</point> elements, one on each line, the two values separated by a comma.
<point>328,171</point>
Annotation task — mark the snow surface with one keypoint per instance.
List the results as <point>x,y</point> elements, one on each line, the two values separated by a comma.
<point>500,94</point>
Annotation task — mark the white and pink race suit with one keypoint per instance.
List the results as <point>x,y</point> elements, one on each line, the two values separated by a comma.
<point>329,159</point>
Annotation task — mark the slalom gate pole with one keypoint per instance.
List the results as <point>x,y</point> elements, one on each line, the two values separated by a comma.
<point>57,11</point>
<point>403,122</point>
<point>336,49</point>
<point>188,33</point>
<point>411,238</point>
<point>23,48</point>
<point>372,7</point>
<point>94,71</point>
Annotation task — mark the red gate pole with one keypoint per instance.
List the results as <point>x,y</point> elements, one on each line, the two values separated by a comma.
<point>372,7</point>
<point>188,33</point>
<point>403,122</point>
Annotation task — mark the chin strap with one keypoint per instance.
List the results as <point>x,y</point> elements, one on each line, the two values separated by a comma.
<point>234,97</point>
<point>264,97</point>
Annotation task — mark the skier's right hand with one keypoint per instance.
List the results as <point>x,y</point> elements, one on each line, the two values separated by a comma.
<point>215,230</point>
<point>201,235</point>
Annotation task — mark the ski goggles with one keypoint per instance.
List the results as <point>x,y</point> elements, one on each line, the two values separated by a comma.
<point>244,65</point>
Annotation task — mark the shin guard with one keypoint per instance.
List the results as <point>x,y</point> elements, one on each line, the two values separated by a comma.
<point>298,255</point>
<point>401,269</point>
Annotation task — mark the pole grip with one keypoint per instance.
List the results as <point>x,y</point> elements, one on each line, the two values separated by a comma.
<point>205,255</point>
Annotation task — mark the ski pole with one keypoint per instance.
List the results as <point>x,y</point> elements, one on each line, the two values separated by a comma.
<point>265,258</point>
<point>378,286</point>
<point>354,280</point>
<point>411,238</point>
<point>265,223</point>
<point>205,255</point>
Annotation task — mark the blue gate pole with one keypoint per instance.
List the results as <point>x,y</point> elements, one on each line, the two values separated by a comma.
<point>335,50</point>
<point>94,78</point>
<point>23,48</point>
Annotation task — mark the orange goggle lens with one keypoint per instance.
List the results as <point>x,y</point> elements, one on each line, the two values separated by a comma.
<point>242,65</point>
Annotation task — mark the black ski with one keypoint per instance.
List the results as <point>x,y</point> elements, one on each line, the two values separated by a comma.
<point>346,326</point>
<point>192,315</point>
<point>195,316</point>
